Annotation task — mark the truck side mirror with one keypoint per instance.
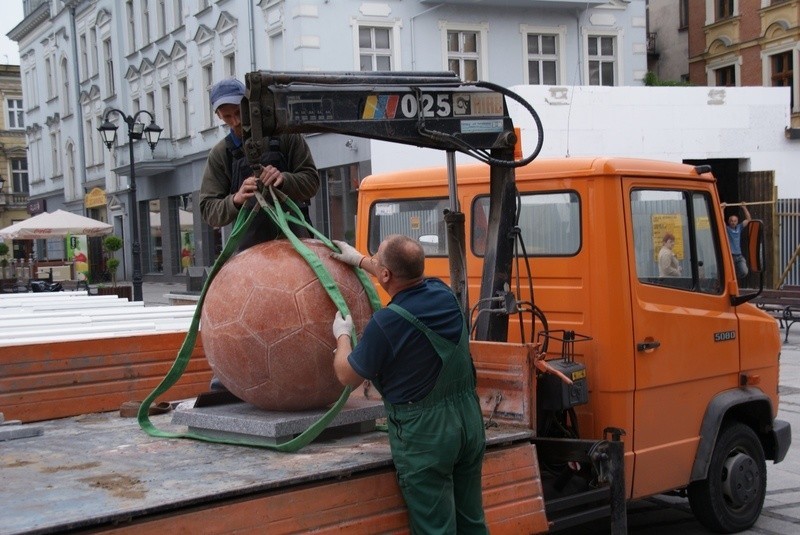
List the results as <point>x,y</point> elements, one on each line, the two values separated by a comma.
<point>753,251</point>
<point>753,245</point>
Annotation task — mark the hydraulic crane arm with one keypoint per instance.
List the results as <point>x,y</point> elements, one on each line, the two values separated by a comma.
<point>433,110</point>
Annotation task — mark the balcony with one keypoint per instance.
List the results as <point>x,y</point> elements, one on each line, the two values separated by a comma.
<point>651,45</point>
<point>13,201</point>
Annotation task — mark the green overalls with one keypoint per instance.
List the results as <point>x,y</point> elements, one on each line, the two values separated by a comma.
<point>438,443</point>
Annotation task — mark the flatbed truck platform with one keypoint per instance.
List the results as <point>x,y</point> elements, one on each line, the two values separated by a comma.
<point>100,472</point>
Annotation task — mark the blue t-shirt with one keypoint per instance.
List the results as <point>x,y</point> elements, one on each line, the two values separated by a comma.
<point>735,238</point>
<point>399,355</point>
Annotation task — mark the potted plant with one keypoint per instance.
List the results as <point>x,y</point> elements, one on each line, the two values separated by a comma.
<point>112,244</point>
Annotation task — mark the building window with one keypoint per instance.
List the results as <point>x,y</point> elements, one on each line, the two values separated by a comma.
<point>93,49</point>
<point>683,14</point>
<point>109,62</point>
<point>463,54</point>
<point>375,48</point>
<point>783,72</point>
<point>66,106</point>
<point>161,18</point>
<point>183,110</point>
<point>182,219</point>
<point>153,243</point>
<point>70,165</point>
<point>16,115</point>
<point>602,59</point>
<point>725,76</point>
<point>88,136</point>
<point>724,9</point>
<point>230,65</point>
<point>150,98</point>
<point>178,18</point>
<point>19,175</point>
<point>145,23</point>
<point>166,110</point>
<point>84,58</point>
<point>208,81</point>
<point>31,89</point>
<point>50,75</point>
<point>55,153</point>
<point>131,26</point>
<point>543,59</point>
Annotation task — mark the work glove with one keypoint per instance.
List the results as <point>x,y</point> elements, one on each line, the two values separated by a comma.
<point>342,325</point>
<point>349,254</point>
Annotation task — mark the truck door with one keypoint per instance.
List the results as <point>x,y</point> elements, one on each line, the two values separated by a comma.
<point>684,328</point>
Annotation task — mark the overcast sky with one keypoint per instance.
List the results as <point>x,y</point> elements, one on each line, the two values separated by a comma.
<point>11,16</point>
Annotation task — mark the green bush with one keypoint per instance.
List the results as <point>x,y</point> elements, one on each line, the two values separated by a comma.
<point>3,252</point>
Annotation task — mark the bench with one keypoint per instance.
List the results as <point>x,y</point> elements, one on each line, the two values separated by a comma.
<point>782,304</point>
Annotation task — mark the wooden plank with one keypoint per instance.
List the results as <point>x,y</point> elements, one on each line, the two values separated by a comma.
<point>46,381</point>
<point>512,491</point>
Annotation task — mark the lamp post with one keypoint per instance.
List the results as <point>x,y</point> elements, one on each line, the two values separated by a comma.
<point>152,133</point>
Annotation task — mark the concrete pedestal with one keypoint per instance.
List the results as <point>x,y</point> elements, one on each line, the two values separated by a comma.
<point>274,427</point>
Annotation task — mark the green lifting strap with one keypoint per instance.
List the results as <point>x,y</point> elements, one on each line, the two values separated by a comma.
<point>282,219</point>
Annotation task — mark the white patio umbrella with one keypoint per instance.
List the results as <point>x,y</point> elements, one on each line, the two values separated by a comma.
<point>54,224</point>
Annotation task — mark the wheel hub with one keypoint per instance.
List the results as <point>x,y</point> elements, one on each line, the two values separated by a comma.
<point>740,479</point>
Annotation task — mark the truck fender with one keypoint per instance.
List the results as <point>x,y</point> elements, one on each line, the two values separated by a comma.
<point>748,405</point>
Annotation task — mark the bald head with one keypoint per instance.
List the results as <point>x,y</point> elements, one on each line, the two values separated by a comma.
<point>403,256</point>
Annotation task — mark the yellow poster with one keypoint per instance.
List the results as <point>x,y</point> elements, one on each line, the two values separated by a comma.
<point>662,224</point>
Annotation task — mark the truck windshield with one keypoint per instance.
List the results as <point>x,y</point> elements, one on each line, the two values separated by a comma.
<point>550,223</point>
<point>421,219</point>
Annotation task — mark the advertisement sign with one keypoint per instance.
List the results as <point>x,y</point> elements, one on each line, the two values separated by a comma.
<point>78,253</point>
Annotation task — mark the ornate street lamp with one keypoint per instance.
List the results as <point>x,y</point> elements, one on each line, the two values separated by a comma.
<point>152,132</point>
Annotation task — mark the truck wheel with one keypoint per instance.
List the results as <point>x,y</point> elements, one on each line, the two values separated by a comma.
<point>731,496</point>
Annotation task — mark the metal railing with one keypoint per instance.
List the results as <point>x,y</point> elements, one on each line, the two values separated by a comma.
<point>788,216</point>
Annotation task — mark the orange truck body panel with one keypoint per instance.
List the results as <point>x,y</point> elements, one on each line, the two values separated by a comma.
<point>659,397</point>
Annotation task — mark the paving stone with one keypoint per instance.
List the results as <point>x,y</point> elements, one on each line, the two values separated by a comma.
<point>11,432</point>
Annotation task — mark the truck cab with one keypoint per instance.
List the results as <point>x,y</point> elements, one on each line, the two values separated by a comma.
<point>677,363</point>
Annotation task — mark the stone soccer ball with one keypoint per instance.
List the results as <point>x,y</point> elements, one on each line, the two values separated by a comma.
<point>266,326</point>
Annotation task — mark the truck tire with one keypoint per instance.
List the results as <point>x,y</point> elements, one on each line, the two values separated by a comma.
<point>732,495</point>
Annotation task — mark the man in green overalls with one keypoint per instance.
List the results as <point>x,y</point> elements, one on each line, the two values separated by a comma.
<point>416,353</point>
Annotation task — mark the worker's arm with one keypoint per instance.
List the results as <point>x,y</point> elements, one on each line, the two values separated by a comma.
<point>747,217</point>
<point>342,327</point>
<point>351,256</point>
<point>217,204</point>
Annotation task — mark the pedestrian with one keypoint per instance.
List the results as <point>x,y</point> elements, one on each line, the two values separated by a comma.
<point>734,229</point>
<point>229,182</point>
<point>416,353</point>
<point>668,265</point>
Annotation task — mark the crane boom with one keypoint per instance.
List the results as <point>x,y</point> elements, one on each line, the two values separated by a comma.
<point>433,110</point>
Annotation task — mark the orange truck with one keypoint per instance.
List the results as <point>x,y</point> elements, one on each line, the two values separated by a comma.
<point>679,365</point>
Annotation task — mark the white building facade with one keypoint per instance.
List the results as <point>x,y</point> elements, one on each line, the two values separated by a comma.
<point>80,58</point>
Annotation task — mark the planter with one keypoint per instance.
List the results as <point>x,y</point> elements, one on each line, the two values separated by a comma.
<point>119,291</point>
